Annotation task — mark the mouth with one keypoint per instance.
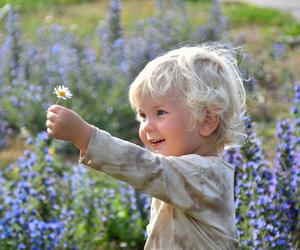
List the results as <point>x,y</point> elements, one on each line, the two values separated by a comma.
<point>156,141</point>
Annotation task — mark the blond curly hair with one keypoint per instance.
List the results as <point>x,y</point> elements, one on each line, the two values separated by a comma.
<point>205,76</point>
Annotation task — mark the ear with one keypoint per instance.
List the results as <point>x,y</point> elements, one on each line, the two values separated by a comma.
<point>209,124</point>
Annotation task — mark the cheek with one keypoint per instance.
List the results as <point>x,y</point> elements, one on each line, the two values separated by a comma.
<point>142,134</point>
<point>173,127</point>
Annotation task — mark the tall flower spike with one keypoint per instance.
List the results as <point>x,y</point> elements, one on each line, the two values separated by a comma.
<point>62,92</point>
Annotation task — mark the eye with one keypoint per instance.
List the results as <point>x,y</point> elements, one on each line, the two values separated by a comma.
<point>141,116</point>
<point>161,112</point>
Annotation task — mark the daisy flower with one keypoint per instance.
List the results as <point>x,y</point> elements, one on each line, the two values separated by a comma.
<point>62,92</point>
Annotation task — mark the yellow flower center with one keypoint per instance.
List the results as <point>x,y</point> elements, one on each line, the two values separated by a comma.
<point>62,93</point>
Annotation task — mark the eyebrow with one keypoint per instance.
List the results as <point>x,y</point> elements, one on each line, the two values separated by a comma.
<point>159,106</point>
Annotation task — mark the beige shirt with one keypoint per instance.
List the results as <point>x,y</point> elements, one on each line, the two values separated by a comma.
<point>193,200</point>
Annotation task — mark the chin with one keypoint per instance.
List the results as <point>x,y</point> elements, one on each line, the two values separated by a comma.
<point>167,154</point>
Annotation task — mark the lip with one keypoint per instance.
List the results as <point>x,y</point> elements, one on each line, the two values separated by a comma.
<point>156,142</point>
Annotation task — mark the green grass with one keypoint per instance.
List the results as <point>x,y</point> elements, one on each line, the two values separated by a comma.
<point>242,14</point>
<point>83,16</point>
<point>30,5</point>
<point>268,19</point>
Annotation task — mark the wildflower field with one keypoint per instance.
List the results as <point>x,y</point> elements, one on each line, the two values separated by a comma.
<point>48,201</point>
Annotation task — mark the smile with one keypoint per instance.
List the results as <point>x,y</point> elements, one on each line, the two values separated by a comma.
<point>155,142</point>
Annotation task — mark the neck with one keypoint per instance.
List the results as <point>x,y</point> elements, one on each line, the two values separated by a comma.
<point>207,148</point>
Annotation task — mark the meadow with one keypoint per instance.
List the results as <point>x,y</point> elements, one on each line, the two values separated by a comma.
<point>96,48</point>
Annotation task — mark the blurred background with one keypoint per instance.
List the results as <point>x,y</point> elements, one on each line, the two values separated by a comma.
<point>97,48</point>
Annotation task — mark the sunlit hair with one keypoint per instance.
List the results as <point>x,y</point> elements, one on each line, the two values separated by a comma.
<point>207,78</point>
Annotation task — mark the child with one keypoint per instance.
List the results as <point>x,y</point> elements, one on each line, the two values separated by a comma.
<point>190,104</point>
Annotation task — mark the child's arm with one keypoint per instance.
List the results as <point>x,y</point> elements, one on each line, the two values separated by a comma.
<point>191,183</point>
<point>64,124</point>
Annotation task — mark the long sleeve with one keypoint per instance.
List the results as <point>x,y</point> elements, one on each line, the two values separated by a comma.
<point>199,186</point>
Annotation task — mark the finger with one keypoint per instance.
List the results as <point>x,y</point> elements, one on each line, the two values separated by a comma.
<point>54,108</point>
<point>49,124</point>
<point>51,116</point>
<point>51,108</point>
<point>50,132</point>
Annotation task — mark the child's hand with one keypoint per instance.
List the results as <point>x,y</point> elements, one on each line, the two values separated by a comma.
<point>65,124</point>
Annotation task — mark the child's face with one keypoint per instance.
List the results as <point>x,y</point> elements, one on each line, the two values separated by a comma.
<point>164,126</point>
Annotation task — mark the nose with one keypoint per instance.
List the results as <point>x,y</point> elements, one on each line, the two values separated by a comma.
<point>148,125</point>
